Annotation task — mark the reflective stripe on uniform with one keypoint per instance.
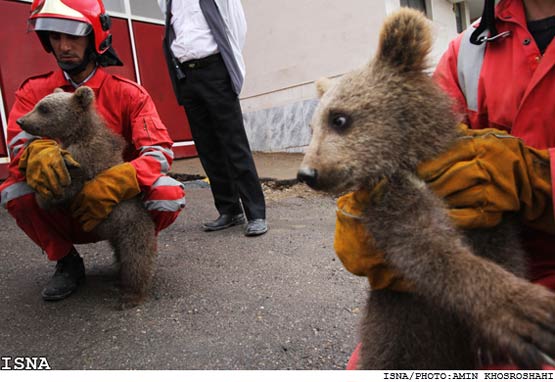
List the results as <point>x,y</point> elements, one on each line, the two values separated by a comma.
<point>159,153</point>
<point>167,181</point>
<point>14,146</point>
<point>14,191</point>
<point>166,205</point>
<point>168,152</point>
<point>469,66</point>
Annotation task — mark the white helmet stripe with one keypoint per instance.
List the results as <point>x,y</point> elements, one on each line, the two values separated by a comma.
<point>58,8</point>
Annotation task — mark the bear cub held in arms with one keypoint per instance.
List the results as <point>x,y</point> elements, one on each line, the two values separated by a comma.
<point>469,299</point>
<point>71,119</point>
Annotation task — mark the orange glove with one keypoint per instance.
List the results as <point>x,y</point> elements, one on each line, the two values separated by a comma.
<point>490,172</point>
<point>480,177</point>
<point>99,195</point>
<point>44,164</point>
<point>356,248</point>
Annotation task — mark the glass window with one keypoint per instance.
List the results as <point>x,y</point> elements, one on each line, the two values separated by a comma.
<point>417,4</point>
<point>459,16</point>
<point>114,6</point>
<point>146,8</point>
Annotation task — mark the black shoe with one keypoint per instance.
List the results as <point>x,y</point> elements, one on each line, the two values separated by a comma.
<point>256,227</point>
<point>70,271</point>
<point>224,221</point>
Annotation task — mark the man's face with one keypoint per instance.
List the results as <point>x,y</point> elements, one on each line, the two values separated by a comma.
<point>68,48</point>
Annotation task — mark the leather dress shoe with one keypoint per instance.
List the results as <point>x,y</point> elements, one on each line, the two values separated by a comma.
<point>256,227</point>
<point>224,221</point>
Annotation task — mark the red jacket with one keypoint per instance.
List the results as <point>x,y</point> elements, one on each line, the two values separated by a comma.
<point>515,92</point>
<point>127,109</point>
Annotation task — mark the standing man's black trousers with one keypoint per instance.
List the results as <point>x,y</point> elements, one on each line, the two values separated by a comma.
<point>216,121</point>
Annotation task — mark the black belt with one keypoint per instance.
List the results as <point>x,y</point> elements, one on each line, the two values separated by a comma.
<point>201,62</point>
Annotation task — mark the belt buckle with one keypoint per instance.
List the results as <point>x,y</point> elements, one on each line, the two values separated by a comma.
<point>192,65</point>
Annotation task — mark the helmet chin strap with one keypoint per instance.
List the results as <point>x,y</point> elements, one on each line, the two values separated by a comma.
<point>487,23</point>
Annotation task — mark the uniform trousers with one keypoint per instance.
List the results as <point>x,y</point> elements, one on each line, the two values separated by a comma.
<point>56,231</point>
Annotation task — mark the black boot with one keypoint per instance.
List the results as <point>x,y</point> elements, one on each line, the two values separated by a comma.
<point>224,221</point>
<point>70,271</point>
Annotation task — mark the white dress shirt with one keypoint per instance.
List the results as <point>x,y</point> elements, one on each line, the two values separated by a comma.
<point>193,38</point>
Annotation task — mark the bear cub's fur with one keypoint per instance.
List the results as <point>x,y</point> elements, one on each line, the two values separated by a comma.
<point>470,301</point>
<point>72,120</point>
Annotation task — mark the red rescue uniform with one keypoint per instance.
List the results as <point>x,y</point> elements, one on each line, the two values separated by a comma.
<point>516,93</point>
<point>130,112</point>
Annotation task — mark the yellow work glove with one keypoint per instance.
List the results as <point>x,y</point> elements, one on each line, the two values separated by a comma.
<point>480,177</point>
<point>44,164</point>
<point>490,172</point>
<point>356,248</point>
<point>99,195</point>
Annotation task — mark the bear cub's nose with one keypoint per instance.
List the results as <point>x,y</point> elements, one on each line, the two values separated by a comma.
<point>19,121</point>
<point>308,175</point>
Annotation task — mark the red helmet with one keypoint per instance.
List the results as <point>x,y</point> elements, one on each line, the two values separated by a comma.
<point>75,17</point>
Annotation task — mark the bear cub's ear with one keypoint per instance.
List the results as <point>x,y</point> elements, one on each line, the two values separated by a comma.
<point>84,96</point>
<point>323,85</point>
<point>58,90</point>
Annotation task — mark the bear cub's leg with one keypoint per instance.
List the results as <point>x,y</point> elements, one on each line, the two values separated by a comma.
<point>131,233</point>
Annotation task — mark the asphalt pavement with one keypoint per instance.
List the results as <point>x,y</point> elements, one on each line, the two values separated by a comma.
<point>219,300</point>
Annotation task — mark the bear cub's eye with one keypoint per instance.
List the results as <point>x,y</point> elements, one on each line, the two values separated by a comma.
<point>339,121</point>
<point>44,109</point>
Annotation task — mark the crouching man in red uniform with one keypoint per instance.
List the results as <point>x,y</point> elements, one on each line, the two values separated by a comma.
<point>77,32</point>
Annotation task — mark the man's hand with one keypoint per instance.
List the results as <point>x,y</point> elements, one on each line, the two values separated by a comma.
<point>490,172</point>
<point>355,246</point>
<point>44,164</point>
<point>481,177</point>
<point>99,195</point>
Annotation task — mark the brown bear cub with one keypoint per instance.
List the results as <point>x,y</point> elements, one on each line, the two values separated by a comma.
<point>72,120</point>
<point>470,300</point>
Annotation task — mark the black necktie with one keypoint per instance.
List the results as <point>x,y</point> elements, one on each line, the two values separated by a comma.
<point>218,28</point>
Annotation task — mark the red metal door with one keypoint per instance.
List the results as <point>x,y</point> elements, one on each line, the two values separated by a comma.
<point>22,56</point>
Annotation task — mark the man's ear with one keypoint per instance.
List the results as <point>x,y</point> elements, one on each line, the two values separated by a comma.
<point>84,96</point>
<point>323,85</point>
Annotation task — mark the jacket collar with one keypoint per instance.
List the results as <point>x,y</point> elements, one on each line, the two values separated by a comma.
<point>511,11</point>
<point>95,82</point>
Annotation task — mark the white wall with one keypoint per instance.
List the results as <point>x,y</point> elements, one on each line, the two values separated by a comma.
<point>292,43</point>
<point>445,27</point>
